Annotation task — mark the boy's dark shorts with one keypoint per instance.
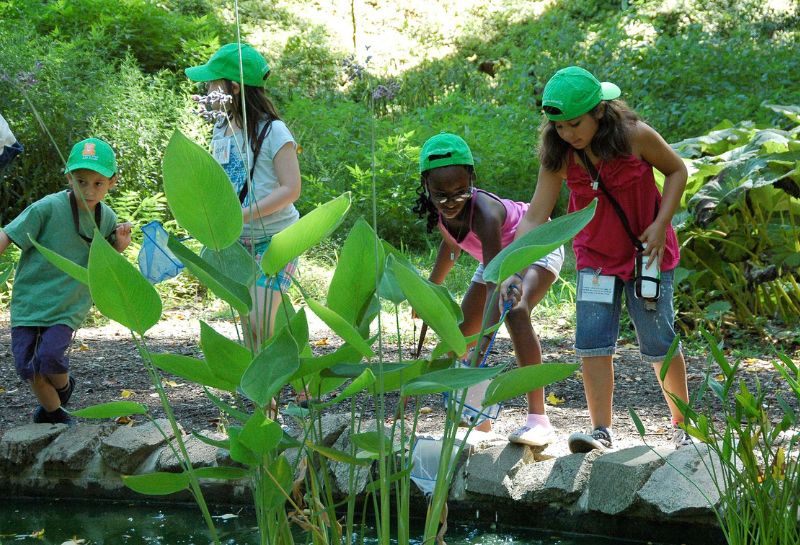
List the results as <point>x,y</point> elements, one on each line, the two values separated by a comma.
<point>41,350</point>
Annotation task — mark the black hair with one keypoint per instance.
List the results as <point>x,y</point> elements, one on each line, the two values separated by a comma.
<point>259,108</point>
<point>424,205</point>
<point>612,139</point>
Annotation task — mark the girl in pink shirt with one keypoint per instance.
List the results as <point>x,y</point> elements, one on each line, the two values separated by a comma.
<point>482,224</point>
<point>603,151</point>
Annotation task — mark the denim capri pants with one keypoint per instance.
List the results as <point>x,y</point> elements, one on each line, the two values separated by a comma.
<point>597,328</point>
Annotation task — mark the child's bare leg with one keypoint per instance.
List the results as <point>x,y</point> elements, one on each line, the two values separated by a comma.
<point>674,383</point>
<point>44,388</point>
<point>526,343</point>
<point>598,384</point>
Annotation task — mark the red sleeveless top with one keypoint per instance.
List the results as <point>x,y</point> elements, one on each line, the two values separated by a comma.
<point>604,244</point>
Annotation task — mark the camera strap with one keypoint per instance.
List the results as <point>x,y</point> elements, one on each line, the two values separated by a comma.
<point>617,208</point>
<point>256,151</point>
<point>98,218</point>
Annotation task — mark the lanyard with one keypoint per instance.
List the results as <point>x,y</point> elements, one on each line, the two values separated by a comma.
<point>98,216</point>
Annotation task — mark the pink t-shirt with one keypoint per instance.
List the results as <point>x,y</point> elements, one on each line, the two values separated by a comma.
<point>604,244</point>
<point>471,243</point>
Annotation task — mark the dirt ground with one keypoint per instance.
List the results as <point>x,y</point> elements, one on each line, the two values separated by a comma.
<point>107,367</point>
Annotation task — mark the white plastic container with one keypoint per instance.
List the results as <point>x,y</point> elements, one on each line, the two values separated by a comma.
<point>649,289</point>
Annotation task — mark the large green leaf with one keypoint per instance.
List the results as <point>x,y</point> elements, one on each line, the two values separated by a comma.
<point>271,369</point>
<point>353,281</point>
<point>362,382</point>
<point>235,262</point>
<point>191,369</point>
<point>338,455</point>
<point>200,194</point>
<point>448,380</point>
<point>157,484</point>
<point>113,409</point>
<point>524,379</point>
<point>315,364</point>
<point>119,291</point>
<point>341,327</point>
<point>390,288</point>
<point>239,452</point>
<point>304,233</point>
<point>275,495</point>
<point>235,294</point>
<point>370,441</point>
<point>428,305</point>
<point>536,244</point>
<point>221,473</point>
<point>260,434</point>
<point>226,358</point>
<point>67,266</point>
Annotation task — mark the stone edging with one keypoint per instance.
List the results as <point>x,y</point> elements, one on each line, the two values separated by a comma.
<point>634,493</point>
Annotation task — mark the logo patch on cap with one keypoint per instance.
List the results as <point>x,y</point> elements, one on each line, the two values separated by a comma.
<point>89,151</point>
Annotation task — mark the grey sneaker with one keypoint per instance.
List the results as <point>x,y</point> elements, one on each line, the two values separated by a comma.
<point>599,439</point>
<point>680,438</point>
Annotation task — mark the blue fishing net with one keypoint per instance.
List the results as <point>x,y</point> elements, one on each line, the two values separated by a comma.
<point>157,262</point>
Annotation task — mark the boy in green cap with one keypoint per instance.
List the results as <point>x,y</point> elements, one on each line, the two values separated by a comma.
<point>47,305</point>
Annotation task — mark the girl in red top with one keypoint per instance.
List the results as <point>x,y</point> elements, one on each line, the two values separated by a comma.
<point>599,146</point>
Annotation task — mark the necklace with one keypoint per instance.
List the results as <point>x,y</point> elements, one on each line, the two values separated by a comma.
<point>460,233</point>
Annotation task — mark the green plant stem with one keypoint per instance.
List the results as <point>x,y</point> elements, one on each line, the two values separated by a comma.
<point>194,483</point>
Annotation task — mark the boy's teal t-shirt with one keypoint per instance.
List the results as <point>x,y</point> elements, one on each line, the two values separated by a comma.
<point>43,295</point>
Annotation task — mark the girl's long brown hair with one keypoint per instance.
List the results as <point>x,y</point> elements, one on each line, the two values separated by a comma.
<point>612,139</point>
<point>259,108</point>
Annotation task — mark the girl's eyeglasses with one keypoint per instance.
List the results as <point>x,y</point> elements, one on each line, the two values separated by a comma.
<point>442,198</point>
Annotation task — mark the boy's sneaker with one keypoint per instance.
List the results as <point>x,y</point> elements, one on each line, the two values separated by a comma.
<point>59,416</point>
<point>599,439</point>
<point>40,416</point>
<point>66,392</point>
<point>680,438</point>
<point>536,436</point>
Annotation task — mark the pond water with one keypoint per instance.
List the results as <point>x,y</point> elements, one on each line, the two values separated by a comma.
<point>54,523</point>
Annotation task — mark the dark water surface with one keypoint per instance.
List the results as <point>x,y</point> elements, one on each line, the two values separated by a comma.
<point>54,523</point>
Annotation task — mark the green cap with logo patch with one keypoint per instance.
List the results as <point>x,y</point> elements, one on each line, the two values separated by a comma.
<point>573,91</point>
<point>92,154</point>
<point>443,150</point>
<point>224,64</point>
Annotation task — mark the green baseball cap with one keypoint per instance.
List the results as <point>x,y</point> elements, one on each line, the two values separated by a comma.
<point>447,149</point>
<point>93,154</point>
<point>224,64</point>
<point>574,91</point>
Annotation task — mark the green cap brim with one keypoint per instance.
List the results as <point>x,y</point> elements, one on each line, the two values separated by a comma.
<point>200,73</point>
<point>609,91</point>
<point>90,165</point>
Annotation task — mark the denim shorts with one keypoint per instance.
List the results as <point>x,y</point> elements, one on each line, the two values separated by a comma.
<point>552,262</point>
<point>597,328</point>
<point>41,350</point>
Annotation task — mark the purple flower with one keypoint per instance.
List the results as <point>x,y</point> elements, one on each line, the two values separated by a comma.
<point>388,91</point>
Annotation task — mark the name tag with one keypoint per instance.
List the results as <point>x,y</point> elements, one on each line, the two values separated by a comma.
<point>222,150</point>
<point>596,288</point>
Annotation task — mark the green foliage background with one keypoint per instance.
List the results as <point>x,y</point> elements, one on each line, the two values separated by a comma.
<point>114,70</point>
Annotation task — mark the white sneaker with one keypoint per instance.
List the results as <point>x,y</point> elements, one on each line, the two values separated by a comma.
<point>537,436</point>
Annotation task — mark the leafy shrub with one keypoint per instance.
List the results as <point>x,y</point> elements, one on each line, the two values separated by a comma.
<point>78,94</point>
<point>156,36</point>
<point>739,234</point>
